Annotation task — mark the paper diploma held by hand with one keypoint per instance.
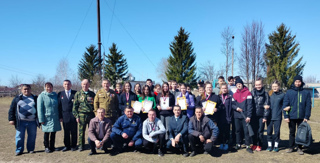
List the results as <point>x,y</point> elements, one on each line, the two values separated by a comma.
<point>137,107</point>
<point>210,105</point>
<point>182,103</point>
<point>164,103</point>
<point>147,105</point>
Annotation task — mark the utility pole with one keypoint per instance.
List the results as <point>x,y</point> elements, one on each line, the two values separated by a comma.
<point>99,36</point>
<point>232,54</point>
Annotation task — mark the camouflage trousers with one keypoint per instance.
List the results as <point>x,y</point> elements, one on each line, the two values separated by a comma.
<point>84,120</point>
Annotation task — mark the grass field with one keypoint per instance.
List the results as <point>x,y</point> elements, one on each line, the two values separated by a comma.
<point>7,150</point>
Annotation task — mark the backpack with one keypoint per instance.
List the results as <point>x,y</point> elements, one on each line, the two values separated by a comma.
<point>304,135</point>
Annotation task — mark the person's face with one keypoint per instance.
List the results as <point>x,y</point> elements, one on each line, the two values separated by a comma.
<point>48,88</point>
<point>151,116</point>
<point>165,87</point>
<point>146,91</point>
<point>67,85</point>
<point>127,87</point>
<point>26,91</point>
<point>128,113</point>
<point>170,83</point>
<point>208,88</point>
<point>258,85</point>
<point>158,89</point>
<point>220,81</point>
<point>118,87</point>
<point>137,88</point>
<point>183,89</point>
<point>176,111</point>
<point>188,89</point>
<point>149,83</point>
<point>201,90</point>
<point>275,87</point>
<point>224,89</point>
<point>174,85</point>
<point>105,85</point>
<point>100,114</point>
<point>231,82</point>
<point>239,86</point>
<point>297,83</point>
<point>85,85</point>
<point>198,113</point>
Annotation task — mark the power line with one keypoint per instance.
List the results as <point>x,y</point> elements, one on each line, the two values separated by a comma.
<point>74,40</point>
<point>114,6</point>
<point>8,69</point>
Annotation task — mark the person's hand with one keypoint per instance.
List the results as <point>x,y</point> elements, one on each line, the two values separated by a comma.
<point>169,108</point>
<point>287,108</point>
<point>266,107</point>
<point>204,109</point>
<point>61,120</point>
<point>208,141</point>
<point>77,120</point>
<point>287,120</point>
<point>248,120</point>
<point>305,120</point>
<point>131,143</point>
<point>201,138</point>
<point>11,122</point>
<point>98,144</point>
<point>142,109</point>
<point>264,120</point>
<point>177,138</point>
<point>215,109</point>
<point>173,143</point>
<point>159,107</point>
<point>239,110</point>
<point>125,136</point>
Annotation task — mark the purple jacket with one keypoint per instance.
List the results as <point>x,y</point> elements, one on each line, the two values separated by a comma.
<point>190,102</point>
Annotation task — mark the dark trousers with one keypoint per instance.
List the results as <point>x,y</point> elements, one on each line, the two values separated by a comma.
<point>293,124</point>
<point>241,125</point>
<point>118,141</point>
<point>183,142</point>
<point>93,145</point>
<point>224,132</point>
<point>233,132</point>
<point>70,131</point>
<point>273,124</point>
<point>49,143</point>
<point>152,146</point>
<point>143,116</point>
<point>196,140</point>
<point>258,128</point>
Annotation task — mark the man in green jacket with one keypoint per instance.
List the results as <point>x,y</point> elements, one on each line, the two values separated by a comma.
<point>83,110</point>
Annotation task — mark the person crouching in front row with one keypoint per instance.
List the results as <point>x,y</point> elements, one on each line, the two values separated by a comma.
<point>153,132</point>
<point>202,131</point>
<point>99,132</point>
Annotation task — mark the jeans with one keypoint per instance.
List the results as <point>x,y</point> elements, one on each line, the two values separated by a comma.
<point>31,127</point>
<point>258,128</point>
<point>118,141</point>
<point>276,124</point>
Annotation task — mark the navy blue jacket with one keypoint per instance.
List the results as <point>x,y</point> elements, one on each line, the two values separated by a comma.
<point>226,112</point>
<point>65,106</point>
<point>176,127</point>
<point>123,103</point>
<point>133,129</point>
<point>276,100</point>
<point>299,101</point>
<point>208,129</point>
<point>215,98</point>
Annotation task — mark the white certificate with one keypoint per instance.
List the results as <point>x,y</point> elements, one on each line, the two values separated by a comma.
<point>182,103</point>
<point>137,107</point>
<point>147,105</point>
<point>210,105</point>
<point>164,103</point>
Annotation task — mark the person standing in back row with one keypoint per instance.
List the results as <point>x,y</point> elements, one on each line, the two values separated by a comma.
<point>297,108</point>
<point>126,97</point>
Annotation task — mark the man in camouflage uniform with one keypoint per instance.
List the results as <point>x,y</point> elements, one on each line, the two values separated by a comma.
<point>107,99</point>
<point>83,109</point>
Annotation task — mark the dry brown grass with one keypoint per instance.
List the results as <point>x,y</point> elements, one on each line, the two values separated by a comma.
<point>8,147</point>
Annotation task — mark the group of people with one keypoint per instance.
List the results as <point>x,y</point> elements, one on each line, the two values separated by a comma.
<point>177,120</point>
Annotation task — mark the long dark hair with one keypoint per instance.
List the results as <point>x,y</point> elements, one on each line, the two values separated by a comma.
<point>163,93</point>
<point>139,91</point>
<point>124,87</point>
<point>143,96</point>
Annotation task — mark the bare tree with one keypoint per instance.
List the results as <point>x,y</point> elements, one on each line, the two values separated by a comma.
<point>38,84</point>
<point>76,83</point>
<point>227,38</point>
<point>162,68</point>
<point>15,82</point>
<point>207,71</point>
<point>310,79</point>
<point>63,72</point>
<point>244,58</point>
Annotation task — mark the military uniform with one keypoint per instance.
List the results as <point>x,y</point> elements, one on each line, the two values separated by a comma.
<point>108,101</point>
<point>83,109</point>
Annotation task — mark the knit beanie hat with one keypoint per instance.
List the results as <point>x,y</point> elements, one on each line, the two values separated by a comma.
<point>298,77</point>
<point>238,80</point>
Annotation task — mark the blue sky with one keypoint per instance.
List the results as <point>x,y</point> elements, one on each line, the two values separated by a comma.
<point>35,35</point>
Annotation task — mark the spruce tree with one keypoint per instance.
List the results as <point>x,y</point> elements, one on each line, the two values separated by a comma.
<point>116,66</point>
<point>181,62</point>
<point>89,65</point>
<point>280,56</point>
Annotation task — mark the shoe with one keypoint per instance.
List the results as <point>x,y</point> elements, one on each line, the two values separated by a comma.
<point>92,153</point>
<point>253,147</point>
<point>18,154</point>
<point>47,150</point>
<point>114,152</point>
<point>80,149</point>
<point>31,152</point>
<point>290,150</point>
<point>249,150</point>
<point>269,149</point>
<point>193,154</point>
<point>300,151</point>
<point>186,154</point>
<point>221,147</point>
<point>106,151</point>
<point>238,146</point>
<point>73,149</point>
<point>160,152</point>
<point>275,149</point>
<point>226,147</point>
<point>258,148</point>
<point>65,149</point>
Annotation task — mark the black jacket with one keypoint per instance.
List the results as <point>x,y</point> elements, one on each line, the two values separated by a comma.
<point>171,104</point>
<point>207,128</point>
<point>13,115</point>
<point>176,127</point>
<point>214,98</point>
<point>65,106</point>
<point>226,111</point>
<point>276,101</point>
<point>123,103</point>
<point>260,99</point>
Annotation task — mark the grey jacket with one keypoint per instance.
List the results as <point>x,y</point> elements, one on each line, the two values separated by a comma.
<point>150,132</point>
